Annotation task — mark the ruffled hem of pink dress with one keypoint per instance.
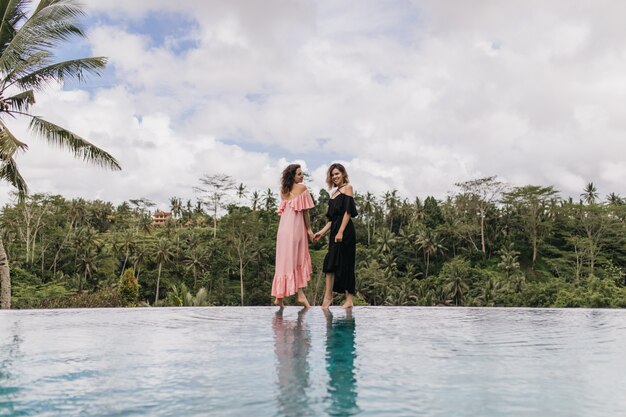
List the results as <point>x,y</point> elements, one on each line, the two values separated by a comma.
<point>286,285</point>
<point>301,202</point>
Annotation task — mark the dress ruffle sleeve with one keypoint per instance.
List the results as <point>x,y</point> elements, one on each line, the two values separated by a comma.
<point>302,202</point>
<point>349,206</point>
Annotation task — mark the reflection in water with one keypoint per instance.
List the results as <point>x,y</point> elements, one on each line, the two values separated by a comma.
<point>9,352</point>
<point>340,356</point>
<point>292,342</point>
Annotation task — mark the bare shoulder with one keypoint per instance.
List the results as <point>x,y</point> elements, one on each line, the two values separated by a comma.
<point>298,189</point>
<point>348,190</point>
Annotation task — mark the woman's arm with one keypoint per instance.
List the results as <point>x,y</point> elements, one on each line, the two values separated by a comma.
<point>344,223</point>
<point>323,231</point>
<point>346,216</point>
<point>307,224</point>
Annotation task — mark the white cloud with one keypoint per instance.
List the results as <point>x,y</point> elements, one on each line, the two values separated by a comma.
<point>411,95</point>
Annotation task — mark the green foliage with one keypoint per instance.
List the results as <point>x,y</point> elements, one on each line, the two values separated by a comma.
<point>36,296</point>
<point>180,296</point>
<point>56,295</point>
<point>129,287</point>
<point>456,276</point>
<point>408,253</point>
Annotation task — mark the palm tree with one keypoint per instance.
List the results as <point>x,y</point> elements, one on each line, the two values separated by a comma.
<point>28,65</point>
<point>418,212</point>
<point>390,199</point>
<point>188,210</point>
<point>388,264</point>
<point>256,197</point>
<point>456,287</point>
<point>590,193</point>
<point>162,252</point>
<point>78,213</point>
<point>194,262</point>
<point>89,264</point>
<point>385,241</point>
<point>614,199</point>
<point>269,200</point>
<point>241,192</point>
<point>139,258</point>
<point>430,245</point>
<point>508,260</point>
<point>489,292</point>
<point>126,244</point>
<point>176,207</point>
<point>367,202</point>
<point>404,213</point>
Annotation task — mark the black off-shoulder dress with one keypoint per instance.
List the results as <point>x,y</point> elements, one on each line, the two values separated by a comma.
<point>340,258</point>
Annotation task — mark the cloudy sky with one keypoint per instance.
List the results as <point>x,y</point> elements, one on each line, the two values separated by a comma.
<point>411,95</point>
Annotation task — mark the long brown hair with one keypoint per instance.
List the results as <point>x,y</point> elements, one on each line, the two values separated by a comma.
<point>288,178</point>
<point>341,169</point>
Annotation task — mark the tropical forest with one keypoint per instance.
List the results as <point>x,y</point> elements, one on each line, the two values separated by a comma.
<point>487,243</point>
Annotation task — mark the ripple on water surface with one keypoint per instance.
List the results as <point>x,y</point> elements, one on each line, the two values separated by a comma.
<point>253,361</point>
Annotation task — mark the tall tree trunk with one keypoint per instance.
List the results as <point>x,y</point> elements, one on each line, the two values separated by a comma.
<point>534,250</point>
<point>374,226</point>
<point>215,221</point>
<point>124,265</point>
<point>578,264</point>
<point>5,279</point>
<point>482,233</point>
<point>43,254</point>
<point>27,244</point>
<point>241,277</point>
<point>156,297</point>
<point>80,287</point>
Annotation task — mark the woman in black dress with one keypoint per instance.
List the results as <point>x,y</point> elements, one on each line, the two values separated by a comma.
<point>340,259</point>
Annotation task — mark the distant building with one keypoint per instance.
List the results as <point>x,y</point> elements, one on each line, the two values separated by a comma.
<point>160,217</point>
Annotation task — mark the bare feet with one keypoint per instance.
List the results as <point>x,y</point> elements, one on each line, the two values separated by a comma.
<point>303,301</point>
<point>279,302</point>
<point>327,303</point>
<point>348,303</point>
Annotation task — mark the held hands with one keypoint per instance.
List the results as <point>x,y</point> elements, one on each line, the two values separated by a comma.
<point>317,236</point>
<point>311,235</point>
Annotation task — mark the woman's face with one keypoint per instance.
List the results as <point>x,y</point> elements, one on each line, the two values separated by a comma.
<point>299,176</point>
<point>336,177</point>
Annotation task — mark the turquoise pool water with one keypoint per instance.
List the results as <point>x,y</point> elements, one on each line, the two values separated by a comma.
<point>378,361</point>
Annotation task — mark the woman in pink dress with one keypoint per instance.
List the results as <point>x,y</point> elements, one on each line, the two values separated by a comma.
<point>293,262</point>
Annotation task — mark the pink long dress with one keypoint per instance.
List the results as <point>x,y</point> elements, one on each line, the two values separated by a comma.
<point>293,262</point>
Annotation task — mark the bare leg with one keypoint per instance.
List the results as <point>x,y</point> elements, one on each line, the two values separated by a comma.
<point>329,317</point>
<point>328,291</point>
<point>348,303</point>
<point>302,299</point>
<point>279,302</point>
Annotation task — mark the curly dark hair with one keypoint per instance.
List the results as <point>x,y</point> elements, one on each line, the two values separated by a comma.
<point>288,178</point>
<point>341,169</point>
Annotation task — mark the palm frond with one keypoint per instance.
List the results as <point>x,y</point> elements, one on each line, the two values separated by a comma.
<point>12,14</point>
<point>53,21</point>
<point>76,69</point>
<point>21,101</point>
<point>9,144</point>
<point>80,147</point>
<point>43,4</point>
<point>24,66</point>
<point>10,173</point>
